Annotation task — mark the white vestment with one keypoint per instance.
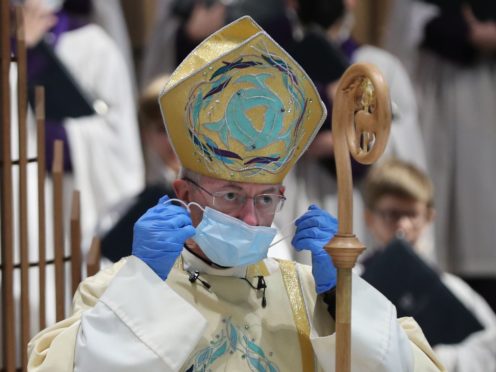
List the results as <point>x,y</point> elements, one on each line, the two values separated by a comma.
<point>108,14</point>
<point>457,117</point>
<point>477,353</point>
<point>127,319</point>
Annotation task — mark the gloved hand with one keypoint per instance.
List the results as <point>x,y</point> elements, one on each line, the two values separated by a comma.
<point>313,230</point>
<point>159,236</point>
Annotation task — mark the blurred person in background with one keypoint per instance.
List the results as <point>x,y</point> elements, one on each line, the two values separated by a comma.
<point>59,34</point>
<point>161,170</point>
<point>109,15</point>
<point>180,25</point>
<point>452,49</point>
<point>314,178</point>
<point>102,153</point>
<point>176,31</point>
<point>399,200</point>
<point>161,163</point>
<point>335,18</point>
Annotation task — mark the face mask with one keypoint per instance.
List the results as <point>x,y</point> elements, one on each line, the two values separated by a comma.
<point>230,242</point>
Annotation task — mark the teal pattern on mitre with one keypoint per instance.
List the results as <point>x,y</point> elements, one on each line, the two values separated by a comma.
<point>250,115</point>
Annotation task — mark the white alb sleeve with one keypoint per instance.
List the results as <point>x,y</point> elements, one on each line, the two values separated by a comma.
<point>139,324</point>
<point>378,341</point>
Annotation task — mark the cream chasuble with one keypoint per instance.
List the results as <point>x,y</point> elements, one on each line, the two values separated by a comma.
<point>127,319</point>
<point>241,333</point>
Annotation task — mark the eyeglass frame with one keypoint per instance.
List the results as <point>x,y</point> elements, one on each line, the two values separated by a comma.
<point>278,208</point>
<point>392,216</point>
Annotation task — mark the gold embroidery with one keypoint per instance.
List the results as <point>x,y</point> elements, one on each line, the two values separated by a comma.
<point>258,269</point>
<point>179,263</point>
<point>293,288</point>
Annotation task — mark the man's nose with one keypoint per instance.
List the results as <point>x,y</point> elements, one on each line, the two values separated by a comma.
<point>248,213</point>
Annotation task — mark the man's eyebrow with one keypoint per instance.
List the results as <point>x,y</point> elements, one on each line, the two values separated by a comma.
<point>232,185</point>
<point>270,190</point>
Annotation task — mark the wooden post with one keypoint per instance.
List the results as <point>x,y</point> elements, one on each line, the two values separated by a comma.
<point>58,227</point>
<point>93,264</point>
<point>22,105</point>
<point>8,315</point>
<point>75,241</point>
<point>40,141</point>
<point>361,122</point>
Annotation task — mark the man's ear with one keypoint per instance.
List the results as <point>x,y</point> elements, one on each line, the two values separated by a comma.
<point>182,190</point>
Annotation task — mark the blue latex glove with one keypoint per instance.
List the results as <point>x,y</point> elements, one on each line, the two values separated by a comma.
<point>313,230</point>
<point>159,236</point>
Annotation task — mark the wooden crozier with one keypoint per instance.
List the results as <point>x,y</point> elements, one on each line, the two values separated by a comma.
<point>361,122</point>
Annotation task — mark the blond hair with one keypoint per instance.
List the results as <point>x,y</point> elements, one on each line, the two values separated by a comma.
<point>398,178</point>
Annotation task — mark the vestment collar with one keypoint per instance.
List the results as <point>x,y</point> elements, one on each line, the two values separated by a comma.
<point>192,263</point>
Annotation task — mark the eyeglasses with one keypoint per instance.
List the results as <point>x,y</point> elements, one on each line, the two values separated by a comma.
<point>392,216</point>
<point>229,201</point>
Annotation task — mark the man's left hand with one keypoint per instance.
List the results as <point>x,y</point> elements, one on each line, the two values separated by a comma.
<point>313,230</point>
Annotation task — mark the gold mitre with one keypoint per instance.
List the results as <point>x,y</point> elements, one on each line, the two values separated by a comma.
<point>239,107</point>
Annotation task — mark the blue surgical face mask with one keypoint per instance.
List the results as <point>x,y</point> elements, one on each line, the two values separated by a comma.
<point>228,241</point>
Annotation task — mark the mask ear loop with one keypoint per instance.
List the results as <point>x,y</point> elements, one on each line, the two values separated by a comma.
<point>196,205</point>
<point>184,204</point>
<point>284,237</point>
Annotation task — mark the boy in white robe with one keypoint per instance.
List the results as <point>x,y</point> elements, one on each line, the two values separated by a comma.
<point>400,201</point>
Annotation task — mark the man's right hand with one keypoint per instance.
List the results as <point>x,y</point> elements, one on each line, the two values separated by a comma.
<point>159,236</point>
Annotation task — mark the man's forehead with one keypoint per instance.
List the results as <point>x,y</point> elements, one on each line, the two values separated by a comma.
<point>217,183</point>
